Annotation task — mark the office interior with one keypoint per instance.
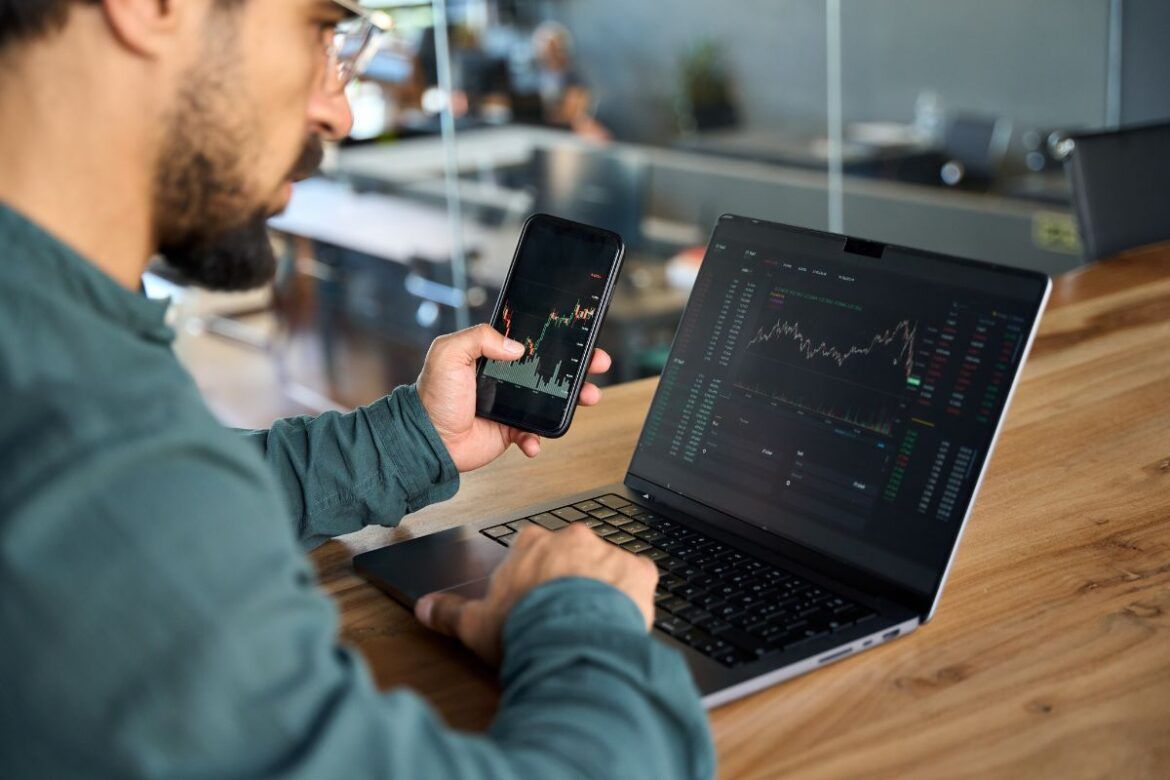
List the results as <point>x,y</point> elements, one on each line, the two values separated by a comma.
<point>942,126</point>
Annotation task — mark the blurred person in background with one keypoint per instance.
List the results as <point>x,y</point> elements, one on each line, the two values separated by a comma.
<point>566,99</point>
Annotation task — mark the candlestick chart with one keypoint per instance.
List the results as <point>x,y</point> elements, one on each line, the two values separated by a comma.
<point>553,334</point>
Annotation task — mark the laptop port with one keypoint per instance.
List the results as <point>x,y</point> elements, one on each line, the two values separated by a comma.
<point>834,656</point>
<point>891,634</point>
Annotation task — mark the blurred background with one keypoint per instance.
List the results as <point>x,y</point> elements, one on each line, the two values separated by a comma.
<point>933,123</point>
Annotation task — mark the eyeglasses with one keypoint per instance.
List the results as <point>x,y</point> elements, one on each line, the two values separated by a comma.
<point>354,42</point>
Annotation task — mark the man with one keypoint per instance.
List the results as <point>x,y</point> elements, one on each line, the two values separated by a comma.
<point>156,616</point>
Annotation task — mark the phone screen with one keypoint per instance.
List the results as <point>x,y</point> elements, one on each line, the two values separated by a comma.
<point>552,303</point>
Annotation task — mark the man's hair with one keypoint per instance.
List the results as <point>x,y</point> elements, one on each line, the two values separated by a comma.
<point>24,19</point>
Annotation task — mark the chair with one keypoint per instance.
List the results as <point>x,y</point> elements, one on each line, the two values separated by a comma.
<point>1121,188</point>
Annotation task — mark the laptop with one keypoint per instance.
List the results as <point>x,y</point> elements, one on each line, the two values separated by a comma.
<point>809,460</point>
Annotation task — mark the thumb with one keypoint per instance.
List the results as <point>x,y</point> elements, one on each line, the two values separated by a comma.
<point>486,341</point>
<point>440,612</point>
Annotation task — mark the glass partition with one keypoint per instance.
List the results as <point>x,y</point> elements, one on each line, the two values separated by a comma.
<point>935,125</point>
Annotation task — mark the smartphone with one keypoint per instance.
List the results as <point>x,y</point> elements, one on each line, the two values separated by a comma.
<point>553,302</point>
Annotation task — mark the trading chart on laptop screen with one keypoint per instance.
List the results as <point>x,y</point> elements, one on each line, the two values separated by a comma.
<point>847,402</point>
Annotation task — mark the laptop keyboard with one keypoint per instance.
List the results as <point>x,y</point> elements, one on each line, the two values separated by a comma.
<point>719,600</point>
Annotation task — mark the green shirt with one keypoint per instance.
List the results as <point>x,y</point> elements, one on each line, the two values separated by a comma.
<point>158,617</point>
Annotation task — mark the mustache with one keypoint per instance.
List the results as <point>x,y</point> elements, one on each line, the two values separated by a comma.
<point>310,159</point>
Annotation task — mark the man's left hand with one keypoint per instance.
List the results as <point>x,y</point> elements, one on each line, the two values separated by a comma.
<point>446,387</point>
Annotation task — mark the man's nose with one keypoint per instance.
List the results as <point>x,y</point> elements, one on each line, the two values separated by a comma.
<point>329,114</point>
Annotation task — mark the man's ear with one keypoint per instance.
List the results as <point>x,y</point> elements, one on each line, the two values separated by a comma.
<point>150,27</point>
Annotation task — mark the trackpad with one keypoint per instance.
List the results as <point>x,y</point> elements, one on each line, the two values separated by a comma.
<point>458,560</point>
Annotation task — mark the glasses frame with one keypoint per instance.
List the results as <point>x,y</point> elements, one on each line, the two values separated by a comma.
<point>374,24</point>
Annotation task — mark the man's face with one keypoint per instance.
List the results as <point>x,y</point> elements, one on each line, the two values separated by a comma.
<point>247,121</point>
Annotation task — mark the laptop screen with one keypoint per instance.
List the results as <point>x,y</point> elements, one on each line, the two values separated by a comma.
<point>841,394</point>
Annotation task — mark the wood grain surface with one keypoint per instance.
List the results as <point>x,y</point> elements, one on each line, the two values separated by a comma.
<point>1050,653</point>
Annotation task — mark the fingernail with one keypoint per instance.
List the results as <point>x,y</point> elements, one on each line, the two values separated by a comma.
<point>423,609</point>
<point>515,347</point>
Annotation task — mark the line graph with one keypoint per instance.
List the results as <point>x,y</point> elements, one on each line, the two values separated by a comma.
<point>901,335</point>
<point>835,360</point>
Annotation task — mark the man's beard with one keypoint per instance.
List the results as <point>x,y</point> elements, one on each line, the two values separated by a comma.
<point>236,257</point>
<point>210,228</point>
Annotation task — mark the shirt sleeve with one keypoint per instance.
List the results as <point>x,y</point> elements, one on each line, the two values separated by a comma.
<point>341,472</point>
<point>160,621</point>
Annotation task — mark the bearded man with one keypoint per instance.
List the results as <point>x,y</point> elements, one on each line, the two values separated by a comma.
<point>158,616</point>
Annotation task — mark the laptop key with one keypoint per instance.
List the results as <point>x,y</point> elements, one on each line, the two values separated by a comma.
<point>694,613</point>
<point>652,554</point>
<point>631,510</point>
<point>714,625</point>
<point>674,604</point>
<point>672,625</point>
<point>549,521</point>
<point>604,530</point>
<point>732,657</point>
<point>568,513</point>
<point>612,501</point>
<point>702,641</point>
<point>670,581</point>
<point>710,600</point>
<point>602,514</point>
<point>590,522</point>
<point>619,538</point>
<point>635,527</point>
<point>636,546</point>
<point>744,641</point>
<point>620,520</point>
<point>586,506</point>
<point>518,525</point>
<point>690,591</point>
<point>496,531</point>
<point>506,540</point>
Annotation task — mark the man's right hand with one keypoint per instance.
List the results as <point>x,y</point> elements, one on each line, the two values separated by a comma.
<point>538,556</point>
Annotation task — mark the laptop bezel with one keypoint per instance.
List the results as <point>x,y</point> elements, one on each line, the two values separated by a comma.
<point>921,602</point>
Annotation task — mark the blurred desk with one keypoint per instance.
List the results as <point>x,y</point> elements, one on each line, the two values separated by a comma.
<point>423,159</point>
<point>392,228</point>
<point>1049,654</point>
<point>781,148</point>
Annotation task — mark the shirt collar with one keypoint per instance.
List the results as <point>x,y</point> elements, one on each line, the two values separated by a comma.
<point>48,262</point>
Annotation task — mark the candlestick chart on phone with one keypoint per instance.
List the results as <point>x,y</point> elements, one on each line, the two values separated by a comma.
<point>553,324</point>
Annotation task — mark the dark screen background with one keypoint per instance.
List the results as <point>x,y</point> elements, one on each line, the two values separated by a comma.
<point>841,401</point>
<point>550,304</point>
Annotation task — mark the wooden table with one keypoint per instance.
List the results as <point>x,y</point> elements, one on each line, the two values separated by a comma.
<point>1050,654</point>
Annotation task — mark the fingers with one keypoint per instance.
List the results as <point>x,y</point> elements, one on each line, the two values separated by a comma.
<point>482,341</point>
<point>529,444</point>
<point>590,394</point>
<point>601,362</point>
<point>440,612</point>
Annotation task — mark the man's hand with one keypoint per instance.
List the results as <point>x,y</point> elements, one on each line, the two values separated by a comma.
<point>446,388</point>
<point>538,556</point>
